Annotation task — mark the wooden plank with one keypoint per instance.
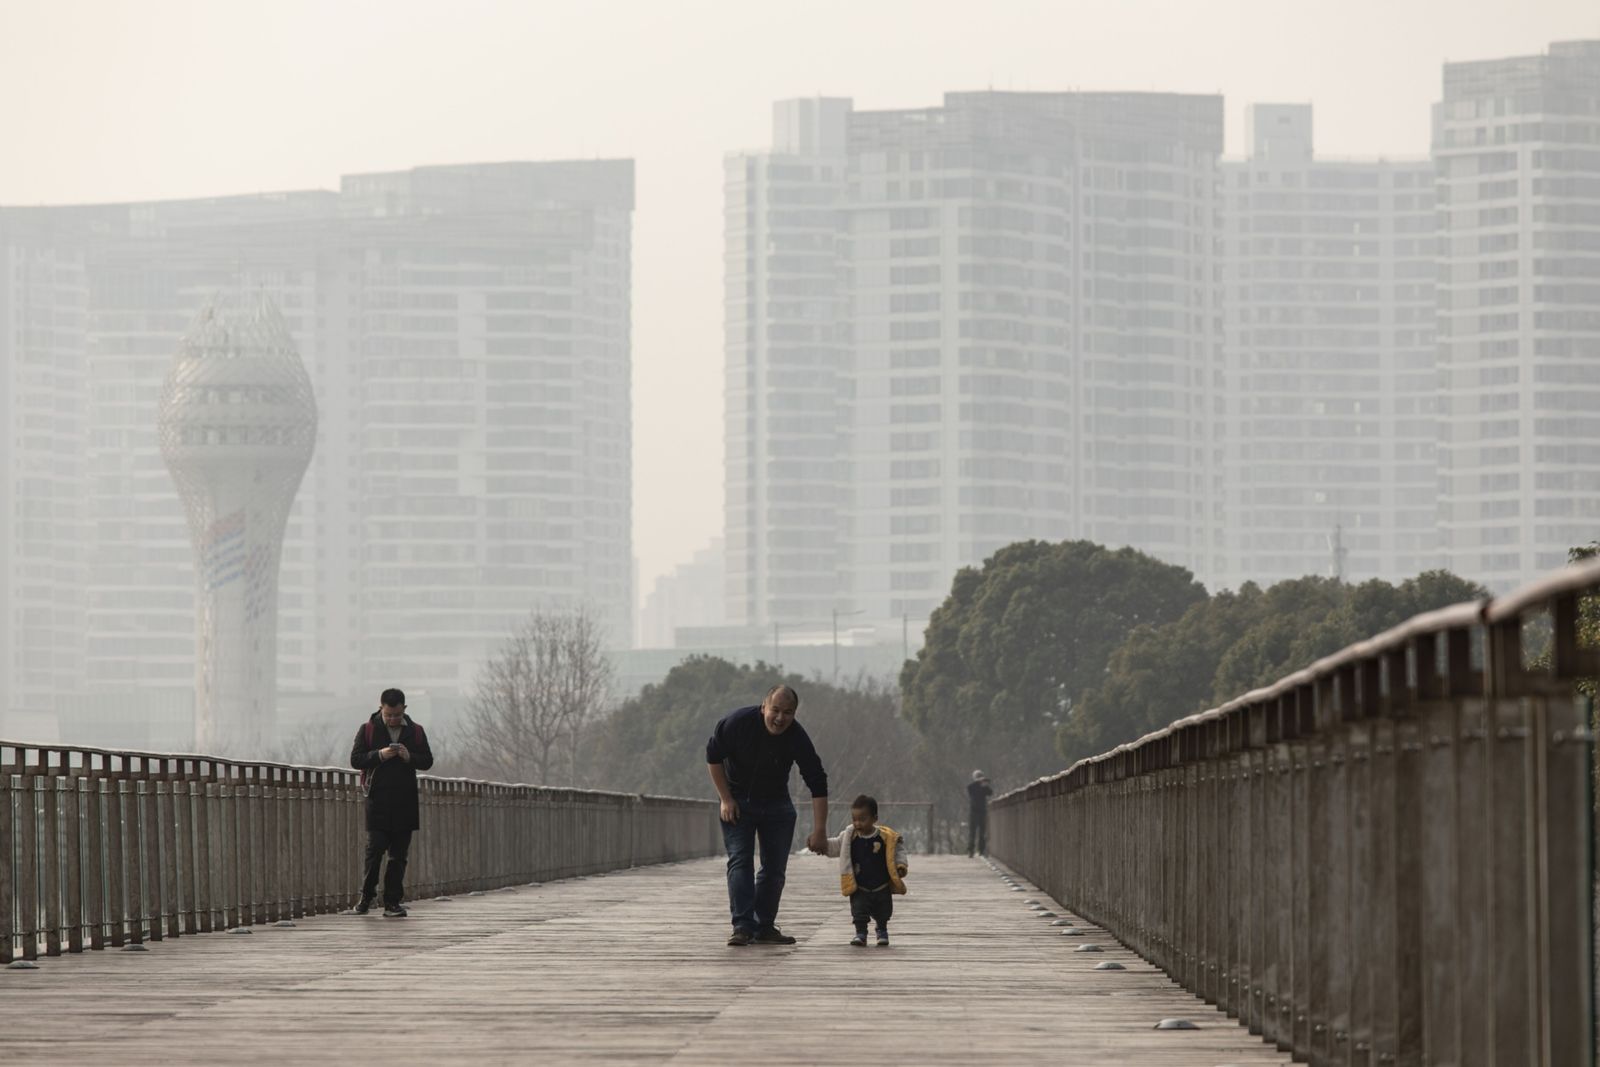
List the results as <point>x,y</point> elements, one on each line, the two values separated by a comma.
<point>585,971</point>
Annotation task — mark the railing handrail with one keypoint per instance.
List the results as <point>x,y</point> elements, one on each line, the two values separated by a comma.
<point>228,761</point>
<point>1570,580</point>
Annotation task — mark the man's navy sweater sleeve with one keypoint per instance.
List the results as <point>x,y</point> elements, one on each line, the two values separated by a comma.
<point>721,746</point>
<point>805,755</point>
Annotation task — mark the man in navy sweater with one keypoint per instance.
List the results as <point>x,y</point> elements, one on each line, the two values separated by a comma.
<point>749,757</point>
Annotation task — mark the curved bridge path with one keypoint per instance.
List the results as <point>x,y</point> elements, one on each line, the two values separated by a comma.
<point>628,968</point>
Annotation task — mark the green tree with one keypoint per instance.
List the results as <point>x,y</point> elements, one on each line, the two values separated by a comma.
<point>1588,636</point>
<point>1588,620</point>
<point>1160,673</point>
<point>1016,641</point>
<point>655,741</point>
<point>1257,654</point>
<point>1235,642</point>
<point>1308,618</point>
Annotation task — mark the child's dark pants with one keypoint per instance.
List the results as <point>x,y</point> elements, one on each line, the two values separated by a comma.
<point>876,905</point>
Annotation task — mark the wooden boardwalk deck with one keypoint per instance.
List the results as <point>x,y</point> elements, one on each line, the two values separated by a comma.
<point>626,968</point>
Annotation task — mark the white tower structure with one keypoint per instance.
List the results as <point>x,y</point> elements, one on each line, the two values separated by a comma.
<point>238,423</point>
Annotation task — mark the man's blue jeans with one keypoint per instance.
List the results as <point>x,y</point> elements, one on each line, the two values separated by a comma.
<point>753,898</point>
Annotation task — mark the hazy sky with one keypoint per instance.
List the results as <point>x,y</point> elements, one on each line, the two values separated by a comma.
<point>150,99</point>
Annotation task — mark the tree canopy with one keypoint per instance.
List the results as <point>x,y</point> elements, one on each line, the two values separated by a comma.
<point>534,697</point>
<point>1235,642</point>
<point>1016,642</point>
<point>655,742</point>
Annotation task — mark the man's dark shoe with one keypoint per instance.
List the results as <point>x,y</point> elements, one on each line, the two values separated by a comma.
<point>362,906</point>
<point>859,941</point>
<point>773,936</point>
<point>393,911</point>
<point>740,938</point>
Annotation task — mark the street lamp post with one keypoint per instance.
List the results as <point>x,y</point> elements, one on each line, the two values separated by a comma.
<point>836,614</point>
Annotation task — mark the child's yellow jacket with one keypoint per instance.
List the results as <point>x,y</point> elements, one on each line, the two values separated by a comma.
<point>895,857</point>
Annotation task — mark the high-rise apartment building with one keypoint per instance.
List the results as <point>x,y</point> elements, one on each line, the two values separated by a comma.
<point>690,597</point>
<point>466,331</point>
<point>1329,420</point>
<point>494,407</point>
<point>958,327</point>
<point>787,351</point>
<point>43,303</point>
<point>1517,146</point>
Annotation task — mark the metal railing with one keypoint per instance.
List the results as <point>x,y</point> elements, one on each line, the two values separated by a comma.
<point>1384,858</point>
<point>113,848</point>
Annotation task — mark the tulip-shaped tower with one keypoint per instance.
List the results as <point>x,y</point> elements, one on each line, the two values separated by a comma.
<point>238,424</point>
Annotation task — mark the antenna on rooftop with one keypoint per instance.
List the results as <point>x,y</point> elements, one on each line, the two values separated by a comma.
<point>1338,552</point>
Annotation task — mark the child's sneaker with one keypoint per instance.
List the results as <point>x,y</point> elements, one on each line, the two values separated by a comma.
<point>883,939</point>
<point>859,941</point>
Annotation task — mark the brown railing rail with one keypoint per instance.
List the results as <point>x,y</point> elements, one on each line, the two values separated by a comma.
<point>1382,859</point>
<point>114,848</point>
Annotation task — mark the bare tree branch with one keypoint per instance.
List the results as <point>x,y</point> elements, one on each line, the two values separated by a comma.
<point>534,697</point>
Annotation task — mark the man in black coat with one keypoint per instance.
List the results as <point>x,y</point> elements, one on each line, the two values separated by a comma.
<point>389,751</point>
<point>978,793</point>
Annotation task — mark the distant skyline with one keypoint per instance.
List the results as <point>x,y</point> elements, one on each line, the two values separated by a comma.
<point>160,100</point>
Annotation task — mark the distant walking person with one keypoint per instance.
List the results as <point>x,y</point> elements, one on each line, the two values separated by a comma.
<point>389,751</point>
<point>749,757</point>
<point>978,793</point>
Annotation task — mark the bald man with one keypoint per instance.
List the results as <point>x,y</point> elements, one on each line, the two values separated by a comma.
<point>750,756</point>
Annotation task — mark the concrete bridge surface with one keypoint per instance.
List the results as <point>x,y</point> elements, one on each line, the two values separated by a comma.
<point>629,967</point>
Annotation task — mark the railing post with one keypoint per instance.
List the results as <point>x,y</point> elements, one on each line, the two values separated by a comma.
<point>8,872</point>
<point>1255,910</point>
<point>1514,846</point>
<point>72,828</point>
<point>1563,741</point>
<point>152,820</point>
<point>1277,1025</point>
<point>184,919</point>
<point>49,794</point>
